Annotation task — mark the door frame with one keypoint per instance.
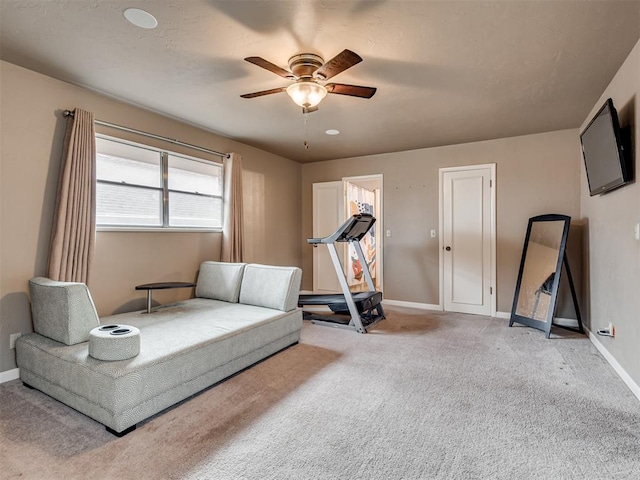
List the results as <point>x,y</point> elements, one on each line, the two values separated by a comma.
<point>492,194</point>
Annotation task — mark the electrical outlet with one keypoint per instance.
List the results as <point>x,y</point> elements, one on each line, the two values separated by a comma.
<point>610,331</point>
<point>12,340</point>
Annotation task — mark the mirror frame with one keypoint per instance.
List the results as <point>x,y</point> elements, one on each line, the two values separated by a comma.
<point>532,322</point>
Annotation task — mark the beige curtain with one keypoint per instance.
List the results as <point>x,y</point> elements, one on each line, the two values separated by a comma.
<point>233,226</point>
<point>74,224</point>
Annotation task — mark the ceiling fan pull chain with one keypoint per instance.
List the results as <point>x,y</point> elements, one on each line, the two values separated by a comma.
<point>306,144</point>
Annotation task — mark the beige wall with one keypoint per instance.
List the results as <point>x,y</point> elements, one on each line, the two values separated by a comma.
<point>536,174</point>
<point>613,261</point>
<point>32,131</point>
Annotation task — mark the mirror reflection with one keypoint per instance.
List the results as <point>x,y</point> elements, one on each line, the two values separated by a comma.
<point>543,250</point>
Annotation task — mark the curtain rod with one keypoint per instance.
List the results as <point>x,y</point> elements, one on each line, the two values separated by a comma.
<point>69,113</point>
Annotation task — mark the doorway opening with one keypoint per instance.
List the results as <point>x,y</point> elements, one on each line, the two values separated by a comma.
<point>333,203</point>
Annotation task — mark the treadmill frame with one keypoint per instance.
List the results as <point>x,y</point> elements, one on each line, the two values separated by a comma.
<point>356,320</point>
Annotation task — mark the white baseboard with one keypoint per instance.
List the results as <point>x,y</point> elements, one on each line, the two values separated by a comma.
<point>401,303</point>
<point>622,373</point>
<point>320,309</point>
<point>9,375</point>
<point>565,322</point>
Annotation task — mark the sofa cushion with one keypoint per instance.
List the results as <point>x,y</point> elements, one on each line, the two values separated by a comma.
<point>220,281</point>
<point>271,287</point>
<point>62,311</point>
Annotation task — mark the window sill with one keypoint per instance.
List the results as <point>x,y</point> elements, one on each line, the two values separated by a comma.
<point>159,229</point>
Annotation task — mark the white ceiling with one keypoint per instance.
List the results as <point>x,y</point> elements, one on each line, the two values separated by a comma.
<point>447,72</point>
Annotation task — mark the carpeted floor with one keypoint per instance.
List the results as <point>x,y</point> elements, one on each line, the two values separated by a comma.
<point>424,395</point>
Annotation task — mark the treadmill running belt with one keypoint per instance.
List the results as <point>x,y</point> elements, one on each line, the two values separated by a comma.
<point>364,301</point>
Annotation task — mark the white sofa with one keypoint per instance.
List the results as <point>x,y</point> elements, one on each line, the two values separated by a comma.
<point>242,314</point>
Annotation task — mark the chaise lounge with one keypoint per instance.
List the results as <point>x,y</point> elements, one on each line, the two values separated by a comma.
<point>242,314</point>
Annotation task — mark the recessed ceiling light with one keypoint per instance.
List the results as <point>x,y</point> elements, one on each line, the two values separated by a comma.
<point>332,131</point>
<point>140,18</point>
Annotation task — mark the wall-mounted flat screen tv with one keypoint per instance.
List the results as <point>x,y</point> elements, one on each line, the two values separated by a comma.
<point>603,151</point>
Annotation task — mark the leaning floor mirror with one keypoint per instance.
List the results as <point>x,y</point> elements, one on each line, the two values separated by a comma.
<point>543,255</point>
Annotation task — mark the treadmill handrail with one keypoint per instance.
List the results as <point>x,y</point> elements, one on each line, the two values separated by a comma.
<point>354,229</point>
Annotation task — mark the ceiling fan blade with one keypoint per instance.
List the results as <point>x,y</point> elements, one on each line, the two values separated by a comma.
<point>351,90</point>
<point>264,92</point>
<point>267,65</point>
<point>339,63</point>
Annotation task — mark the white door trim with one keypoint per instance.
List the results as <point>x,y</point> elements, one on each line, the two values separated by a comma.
<point>492,167</point>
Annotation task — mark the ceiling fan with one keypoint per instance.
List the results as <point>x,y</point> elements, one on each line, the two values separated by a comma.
<point>308,70</point>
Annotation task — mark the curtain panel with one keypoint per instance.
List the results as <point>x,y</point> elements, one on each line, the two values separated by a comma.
<point>233,223</point>
<point>74,223</point>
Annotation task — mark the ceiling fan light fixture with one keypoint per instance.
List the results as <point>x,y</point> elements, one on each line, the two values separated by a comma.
<point>306,94</point>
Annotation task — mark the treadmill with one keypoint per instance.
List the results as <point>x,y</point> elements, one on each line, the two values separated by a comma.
<point>357,311</point>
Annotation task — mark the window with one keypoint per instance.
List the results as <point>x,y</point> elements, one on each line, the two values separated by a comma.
<point>139,186</point>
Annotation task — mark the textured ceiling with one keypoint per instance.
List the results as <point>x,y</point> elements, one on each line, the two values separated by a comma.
<point>447,72</point>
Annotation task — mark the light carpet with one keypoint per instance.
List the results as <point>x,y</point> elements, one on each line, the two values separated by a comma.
<point>424,395</point>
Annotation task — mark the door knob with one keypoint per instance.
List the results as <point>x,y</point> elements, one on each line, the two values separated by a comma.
<point>448,249</point>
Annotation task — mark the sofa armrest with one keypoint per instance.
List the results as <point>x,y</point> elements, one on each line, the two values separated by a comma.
<point>62,311</point>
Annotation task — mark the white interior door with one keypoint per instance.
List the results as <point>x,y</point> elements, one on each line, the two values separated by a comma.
<point>328,215</point>
<point>468,239</point>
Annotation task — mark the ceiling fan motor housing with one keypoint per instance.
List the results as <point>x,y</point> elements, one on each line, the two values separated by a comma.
<point>305,64</point>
